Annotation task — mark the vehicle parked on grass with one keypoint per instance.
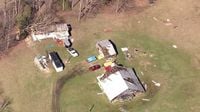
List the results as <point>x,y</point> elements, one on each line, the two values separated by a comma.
<point>72,52</point>
<point>94,67</point>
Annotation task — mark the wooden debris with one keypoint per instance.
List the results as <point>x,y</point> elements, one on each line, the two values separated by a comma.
<point>174,46</point>
<point>144,99</point>
<point>156,83</point>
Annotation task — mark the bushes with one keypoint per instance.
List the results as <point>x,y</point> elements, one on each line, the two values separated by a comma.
<point>23,17</point>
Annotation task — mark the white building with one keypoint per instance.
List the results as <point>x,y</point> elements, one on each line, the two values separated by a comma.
<point>56,61</point>
<point>106,48</point>
<point>57,31</point>
<point>120,83</point>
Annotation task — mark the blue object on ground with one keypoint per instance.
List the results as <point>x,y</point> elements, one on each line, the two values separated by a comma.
<point>91,59</point>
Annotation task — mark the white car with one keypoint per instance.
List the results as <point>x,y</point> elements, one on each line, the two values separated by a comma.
<point>72,52</point>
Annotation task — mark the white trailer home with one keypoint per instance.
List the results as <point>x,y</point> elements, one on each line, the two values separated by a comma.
<point>56,61</point>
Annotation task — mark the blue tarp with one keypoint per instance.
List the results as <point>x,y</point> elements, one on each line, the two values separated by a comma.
<point>91,59</point>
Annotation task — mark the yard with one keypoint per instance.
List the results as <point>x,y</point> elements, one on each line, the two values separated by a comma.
<point>176,69</point>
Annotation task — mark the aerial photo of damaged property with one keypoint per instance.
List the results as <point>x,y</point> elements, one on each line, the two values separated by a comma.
<point>99,56</point>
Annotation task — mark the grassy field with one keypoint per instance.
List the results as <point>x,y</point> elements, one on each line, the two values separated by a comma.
<point>176,69</point>
<point>179,80</point>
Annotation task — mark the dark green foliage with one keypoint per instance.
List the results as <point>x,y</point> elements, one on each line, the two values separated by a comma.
<point>23,17</point>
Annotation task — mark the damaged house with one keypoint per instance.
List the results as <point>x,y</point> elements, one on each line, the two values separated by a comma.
<point>120,83</point>
<point>56,31</point>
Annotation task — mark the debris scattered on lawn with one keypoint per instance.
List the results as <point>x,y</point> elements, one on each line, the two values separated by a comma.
<point>124,49</point>
<point>126,52</point>
<point>144,99</point>
<point>154,65</point>
<point>91,108</point>
<point>42,63</point>
<point>166,22</point>
<point>151,55</point>
<point>122,109</point>
<point>174,46</point>
<point>139,52</point>
<point>100,93</point>
<point>142,73</point>
<point>145,86</point>
<point>139,22</point>
<point>29,42</point>
<point>145,64</point>
<point>107,30</point>
<point>156,83</point>
<point>155,19</point>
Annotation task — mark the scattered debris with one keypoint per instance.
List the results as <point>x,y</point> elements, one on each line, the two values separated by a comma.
<point>154,18</point>
<point>29,42</point>
<point>139,22</point>
<point>122,109</point>
<point>145,86</point>
<point>151,55</point>
<point>126,52</point>
<point>139,52</point>
<point>100,93</point>
<point>144,99</point>
<point>142,73</point>
<point>124,49</point>
<point>107,30</point>
<point>166,22</point>
<point>174,46</point>
<point>156,83</point>
<point>91,108</point>
<point>42,63</point>
<point>145,64</point>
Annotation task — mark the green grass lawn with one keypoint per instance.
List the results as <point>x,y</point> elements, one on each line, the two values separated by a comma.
<point>179,80</point>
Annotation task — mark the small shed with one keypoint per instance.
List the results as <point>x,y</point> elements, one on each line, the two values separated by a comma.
<point>120,83</point>
<point>56,61</point>
<point>106,48</point>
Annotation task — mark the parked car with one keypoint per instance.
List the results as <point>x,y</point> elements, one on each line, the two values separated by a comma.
<point>72,52</point>
<point>95,67</point>
<point>91,59</point>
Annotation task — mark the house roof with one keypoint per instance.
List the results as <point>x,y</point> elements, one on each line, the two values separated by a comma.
<point>52,28</point>
<point>106,44</point>
<point>118,82</point>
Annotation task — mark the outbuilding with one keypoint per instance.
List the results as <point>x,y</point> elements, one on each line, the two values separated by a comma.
<point>106,48</point>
